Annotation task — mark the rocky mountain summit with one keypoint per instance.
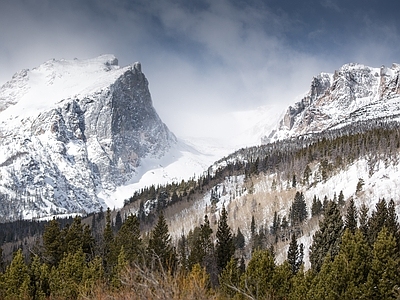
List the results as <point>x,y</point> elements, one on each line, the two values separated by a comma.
<point>353,93</point>
<point>71,129</point>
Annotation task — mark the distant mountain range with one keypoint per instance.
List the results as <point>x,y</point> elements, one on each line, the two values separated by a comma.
<point>77,135</point>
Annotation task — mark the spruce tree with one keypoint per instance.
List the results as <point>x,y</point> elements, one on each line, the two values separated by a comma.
<point>364,227</point>
<point>16,279</point>
<point>129,237</point>
<point>327,239</point>
<point>160,249</point>
<point>225,247</point>
<point>52,243</point>
<point>351,217</point>
<point>257,280</point>
<point>385,265</point>
<point>295,255</point>
<point>378,220</point>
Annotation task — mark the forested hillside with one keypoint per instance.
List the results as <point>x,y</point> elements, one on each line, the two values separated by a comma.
<point>258,233</point>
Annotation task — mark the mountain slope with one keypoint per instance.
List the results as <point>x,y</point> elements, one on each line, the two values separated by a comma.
<point>353,93</point>
<point>71,129</point>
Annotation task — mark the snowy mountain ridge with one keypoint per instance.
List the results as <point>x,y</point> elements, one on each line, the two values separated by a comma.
<point>353,93</point>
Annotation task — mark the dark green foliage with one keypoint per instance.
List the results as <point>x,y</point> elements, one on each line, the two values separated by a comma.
<point>239,240</point>
<point>118,221</point>
<point>350,220</point>
<point>229,279</point>
<point>327,239</point>
<point>257,281</point>
<point>225,247</point>
<point>364,228</point>
<point>52,243</point>
<point>377,220</point>
<point>16,282</point>
<point>201,246</point>
<point>385,265</point>
<point>343,276</point>
<point>341,199</point>
<point>316,208</point>
<point>298,210</point>
<point>295,255</point>
<point>129,238</point>
<point>160,249</point>
<point>252,226</point>
<point>108,246</point>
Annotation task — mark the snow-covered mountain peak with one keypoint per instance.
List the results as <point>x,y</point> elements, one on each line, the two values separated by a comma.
<point>71,129</point>
<point>32,91</point>
<point>354,92</point>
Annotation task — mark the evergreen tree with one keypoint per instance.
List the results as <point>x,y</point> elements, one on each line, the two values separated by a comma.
<point>108,246</point>
<point>160,248</point>
<point>52,243</point>
<point>364,227</point>
<point>341,199</point>
<point>316,207</point>
<point>225,247</point>
<point>252,226</point>
<point>327,239</point>
<point>257,279</point>
<point>39,279</point>
<point>78,236</point>
<point>392,223</point>
<point>298,210</point>
<point>16,279</point>
<point>377,221</point>
<point>129,237</point>
<point>351,217</point>
<point>385,265</point>
<point>118,221</point>
<point>295,255</point>
<point>239,240</point>
<point>201,248</point>
<point>229,279</point>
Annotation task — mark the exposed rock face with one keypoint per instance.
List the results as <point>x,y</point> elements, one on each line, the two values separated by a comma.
<point>353,93</point>
<point>70,129</point>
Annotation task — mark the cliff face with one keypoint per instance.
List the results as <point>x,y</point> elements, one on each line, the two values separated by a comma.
<point>353,93</point>
<point>71,129</point>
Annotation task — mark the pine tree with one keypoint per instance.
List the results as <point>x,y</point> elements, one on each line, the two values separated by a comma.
<point>229,279</point>
<point>39,279</point>
<point>257,279</point>
<point>129,237</point>
<point>378,220</point>
<point>108,246</point>
<point>327,239</point>
<point>225,247</point>
<point>364,227</point>
<point>239,240</point>
<point>316,207</point>
<point>351,217</point>
<point>16,278</point>
<point>201,246</point>
<point>52,243</point>
<point>341,199</point>
<point>385,265</point>
<point>252,226</point>
<point>160,249</point>
<point>295,255</point>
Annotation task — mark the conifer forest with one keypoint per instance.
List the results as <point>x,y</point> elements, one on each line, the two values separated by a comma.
<point>354,254</point>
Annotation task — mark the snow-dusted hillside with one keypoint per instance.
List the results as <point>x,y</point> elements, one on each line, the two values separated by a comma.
<point>353,93</point>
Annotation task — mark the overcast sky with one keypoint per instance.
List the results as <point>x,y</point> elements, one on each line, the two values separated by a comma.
<point>205,57</point>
